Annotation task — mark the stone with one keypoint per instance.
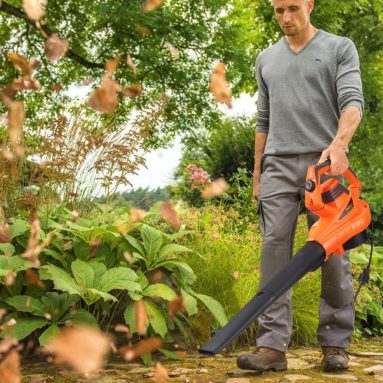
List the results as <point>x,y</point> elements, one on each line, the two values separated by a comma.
<point>238,380</point>
<point>298,364</point>
<point>242,372</point>
<point>376,368</point>
<point>348,377</point>
<point>293,378</point>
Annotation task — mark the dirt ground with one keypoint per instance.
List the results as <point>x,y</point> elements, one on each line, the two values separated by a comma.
<point>304,364</point>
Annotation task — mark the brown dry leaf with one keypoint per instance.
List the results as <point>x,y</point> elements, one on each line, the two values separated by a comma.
<point>55,87</point>
<point>236,275</point>
<point>83,348</point>
<point>131,352</point>
<point>128,257</point>
<point>174,52</point>
<point>132,91</point>
<point>7,154</point>
<point>150,5</point>
<point>33,278</point>
<point>219,87</point>
<point>3,313</point>
<point>156,277</point>
<point>142,321</point>
<point>35,9</point>
<point>104,99</point>
<point>111,67</point>
<point>170,215</point>
<point>55,48</point>
<point>16,116</point>
<point>122,229</point>
<point>33,249</point>
<point>182,354</point>
<point>10,368</point>
<point>121,328</point>
<point>215,189</point>
<point>5,236</point>
<point>94,246</point>
<point>21,63</point>
<point>130,63</point>
<point>137,215</point>
<point>10,278</point>
<point>175,306</point>
<point>161,374</point>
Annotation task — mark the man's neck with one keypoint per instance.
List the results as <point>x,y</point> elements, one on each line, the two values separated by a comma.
<point>300,40</point>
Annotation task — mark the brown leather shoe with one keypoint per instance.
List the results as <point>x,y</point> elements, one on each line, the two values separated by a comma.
<point>334,358</point>
<point>263,359</point>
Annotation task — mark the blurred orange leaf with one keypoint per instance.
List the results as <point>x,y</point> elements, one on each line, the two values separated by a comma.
<point>142,320</point>
<point>55,87</point>
<point>170,215</point>
<point>4,233</point>
<point>161,374</point>
<point>34,8</point>
<point>10,368</point>
<point>16,116</point>
<point>137,215</point>
<point>216,188</point>
<point>174,52</point>
<point>132,91</point>
<point>131,65</point>
<point>111,67</point>
<point>33,278</point>
<point>104,99</point>
<point>21,63</point>
<point>150,5</point>
<point>219,87</point>
<point>175,306</point>
<point>55,48</point>
<point>131,352</point>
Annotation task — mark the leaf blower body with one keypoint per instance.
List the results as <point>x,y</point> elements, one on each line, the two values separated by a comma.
<point>342,224</point>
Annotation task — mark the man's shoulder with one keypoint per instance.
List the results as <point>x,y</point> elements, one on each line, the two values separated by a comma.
<point>271,50</point>
<point>334,40</point>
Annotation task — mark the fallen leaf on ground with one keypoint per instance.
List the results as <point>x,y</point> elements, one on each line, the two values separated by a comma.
<point>34,8</point>
<point>170,215</point>
<point>55,48</point>
<point>219,87</point>
<point>84,349</point>
<point>150,5</point>
<point>161,374</point>
<point>215,189</point>
<point>142,321</point>
<point>104,99</point>
<point>131,352</point>
<point>175,306</point>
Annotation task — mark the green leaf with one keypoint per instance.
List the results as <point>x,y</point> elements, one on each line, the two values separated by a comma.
<point>160,290</point>
<point>48,334</point>
<point>190,303</point>
<point>135,243</point>
<point>130,317</point>
<point>152,240</point>
<point>142,280</point>
<point>170,354</point>
<point>83,273</point>
<point>173,249</point>
<point>119,278</point>
<point>214,307</point>
<point>27,304</point>
<point>18,227</point>
<point>81,248</point>
<point>99,270</point>
<point>156,318</point>
<point>57,256</point>
<point>24,327</point>
<point>101,294</point>
<point>81,317</point>
<point>61,279</point>
<point>187,273</point>
<point>7,248</point>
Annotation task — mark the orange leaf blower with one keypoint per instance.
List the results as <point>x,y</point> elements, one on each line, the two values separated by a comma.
<point>342,224</point>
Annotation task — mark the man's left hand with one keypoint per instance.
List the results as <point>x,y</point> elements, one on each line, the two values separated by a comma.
<point>338,157</point>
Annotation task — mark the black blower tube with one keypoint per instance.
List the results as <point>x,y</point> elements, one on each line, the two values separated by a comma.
<point>309,258</point>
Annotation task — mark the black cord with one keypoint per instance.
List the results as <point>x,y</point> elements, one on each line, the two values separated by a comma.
<point>365,276</point>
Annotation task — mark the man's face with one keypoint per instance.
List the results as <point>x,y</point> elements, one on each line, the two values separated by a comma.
<point>293,15</point>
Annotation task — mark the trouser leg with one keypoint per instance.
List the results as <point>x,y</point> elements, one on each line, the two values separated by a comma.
<point>278,216</point>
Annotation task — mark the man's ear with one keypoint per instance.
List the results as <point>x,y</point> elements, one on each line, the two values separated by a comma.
<point>310,5</point>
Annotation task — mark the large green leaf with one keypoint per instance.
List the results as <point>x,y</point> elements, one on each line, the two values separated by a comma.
<point>152,240</point>
<point>24,327</point>
<point>27,304</point>
<point>48,334</point>
<point>186,271</point>
<point>18,227</point>
<point>121,278</point>
<point>130,317</point>
<point>156,318</point>
<point>99,270</point>
<point>214,307</point>
<point>160,290</point>
<point>58,256</point>
<point>190,302</point>
<point>15,263</point>
<point>61,279</point>
<point>173,249</point>
<point>135,243</point>
<point>95,294</point>
<point>81,317</point>
<point>83,273</point>
<point>6,248</point>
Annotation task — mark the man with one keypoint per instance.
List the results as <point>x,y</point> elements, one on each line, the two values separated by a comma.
<point>310,103</point>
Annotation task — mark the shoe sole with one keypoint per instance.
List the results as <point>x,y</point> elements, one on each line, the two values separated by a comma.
<point>276,367</point>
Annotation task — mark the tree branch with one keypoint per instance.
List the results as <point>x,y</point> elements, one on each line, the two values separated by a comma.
<point>13,11</point>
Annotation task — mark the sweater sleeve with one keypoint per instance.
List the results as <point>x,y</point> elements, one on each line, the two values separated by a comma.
<point>263,106</point>
<point>348,80</point>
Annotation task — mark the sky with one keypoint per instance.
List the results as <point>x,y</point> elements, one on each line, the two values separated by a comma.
<point>161,164</point>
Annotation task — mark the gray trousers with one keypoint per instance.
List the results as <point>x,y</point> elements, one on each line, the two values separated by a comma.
<point>281,190</point>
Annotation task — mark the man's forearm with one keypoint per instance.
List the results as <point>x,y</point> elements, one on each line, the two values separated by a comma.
<point>260,143</point>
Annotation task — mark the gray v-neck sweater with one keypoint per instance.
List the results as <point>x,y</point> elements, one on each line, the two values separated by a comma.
<point>301,95</point>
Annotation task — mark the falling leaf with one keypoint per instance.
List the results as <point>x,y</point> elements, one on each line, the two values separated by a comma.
<point>176,305</point>
<point>131,352</point>
<point>33,278</point>
<point>111,67</point>
<point>216,188</point>
<point>35,9</point>
<point>7,154</point>
<point>5,236</point>
<point>16,116</point>
<point>55,48</point>
<point>94,246</point>
<point>122,229</point>
<point>10,278</point>
<point>174,52</point>
<point>75,215</point>
<point>55,87</point>
<point>104,99</point>
<point>130,63</point>
<point>156,276</point>
<point>132,91</point>
<point>141,317</point>
<point>170,215</point>
<point>129,257</point>
<point>33,249</point>
<point>181,353</point>
<point>3,313</point>
<point>121,328</point>
<point>35,63</point>
<point>236,275</point>
<point>219,87</point>
<point>84,349</point>
<point>161,374</point>
<point>10,368</point>
<point>21,63</point>
<point>137,215</point>
<point>150,5</point>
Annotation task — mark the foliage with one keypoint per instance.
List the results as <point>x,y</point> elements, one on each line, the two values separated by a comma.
<point>101,270</point>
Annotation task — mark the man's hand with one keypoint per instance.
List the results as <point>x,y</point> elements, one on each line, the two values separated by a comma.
<point>256,186</point>
<point>337,155</point>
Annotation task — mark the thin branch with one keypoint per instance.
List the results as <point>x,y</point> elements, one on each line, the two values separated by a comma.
<point>13,11</point>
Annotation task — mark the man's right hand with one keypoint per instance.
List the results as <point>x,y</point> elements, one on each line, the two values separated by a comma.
<point>256,187</point>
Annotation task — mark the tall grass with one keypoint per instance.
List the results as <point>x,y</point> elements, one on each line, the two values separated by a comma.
<point>227,266</point>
